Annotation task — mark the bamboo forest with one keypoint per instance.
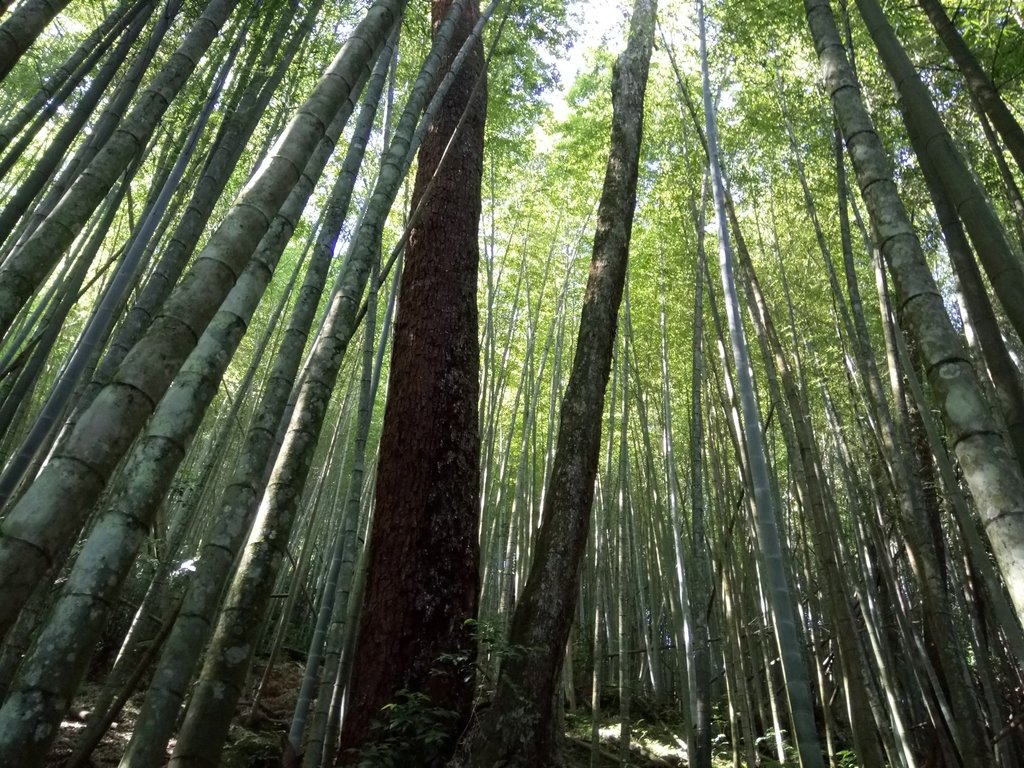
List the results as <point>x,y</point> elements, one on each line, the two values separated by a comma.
<point>483,384</point>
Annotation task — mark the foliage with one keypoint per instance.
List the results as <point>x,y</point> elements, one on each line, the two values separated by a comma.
<point>494,649</point>
<point>546,145</point>
<point>409,731</point>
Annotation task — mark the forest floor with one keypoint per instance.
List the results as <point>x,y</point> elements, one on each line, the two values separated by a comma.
<point>259,743</point>
<point>651,746</point>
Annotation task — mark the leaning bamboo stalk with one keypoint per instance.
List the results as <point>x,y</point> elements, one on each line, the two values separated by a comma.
<point>52,511</point>
<point>31,261</point>
<point>238,501</point>
<point>224,668</point>
<point>53,671</point>
<point>22,27</point>
<point>772,560</point>
<point>108,308</point>
<point>991,473</point>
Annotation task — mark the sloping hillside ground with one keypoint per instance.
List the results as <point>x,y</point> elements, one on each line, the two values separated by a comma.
<point>256,739</point>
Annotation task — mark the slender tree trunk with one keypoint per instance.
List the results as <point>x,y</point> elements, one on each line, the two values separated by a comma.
<point>806,461</point>
<point>623,507</point>
<point>772,555</point>
<point>325,643</point>
<point>340,627</point>
<point>521,724</point>
<point>984,92</point>
<point>989,466</point>
<point>97,330</point>
<point>1001,368</point>
<point>52,673</point>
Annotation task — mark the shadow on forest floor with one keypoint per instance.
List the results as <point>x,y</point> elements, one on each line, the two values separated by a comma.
<point>258,743</point>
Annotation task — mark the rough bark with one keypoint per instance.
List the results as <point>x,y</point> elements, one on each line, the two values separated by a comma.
<point>422,571</point>
<point>228,659</point>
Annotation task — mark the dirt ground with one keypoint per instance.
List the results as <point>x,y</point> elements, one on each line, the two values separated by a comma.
<point>256,739</point>
<point>255,745</point>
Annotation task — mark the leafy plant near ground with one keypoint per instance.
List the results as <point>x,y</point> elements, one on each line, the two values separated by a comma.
<point>409,731</point>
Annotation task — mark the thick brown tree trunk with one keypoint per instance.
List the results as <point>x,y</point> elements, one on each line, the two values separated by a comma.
<point>422,582</point>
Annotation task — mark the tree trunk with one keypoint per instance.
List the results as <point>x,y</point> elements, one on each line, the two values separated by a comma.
<point>224,671</point>
<point>51,674</point>
<point>22,27</point>
<point>989,466</point>
<point>520,726</point>
<point>772,555</point>
<point>983,90</point>
<point>422,572</point>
